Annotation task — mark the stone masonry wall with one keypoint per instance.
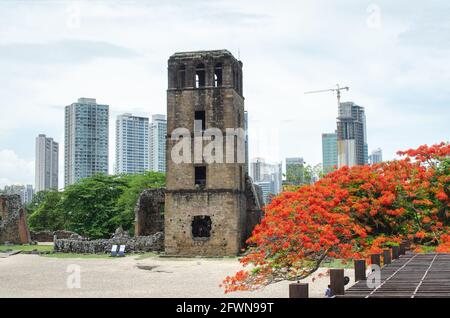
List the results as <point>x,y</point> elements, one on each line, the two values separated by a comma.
<point>13,223</point>
<point>153,243</point>
<point>208,219</point>
<point>254,215</point>
<point>149,212</point>
<point>224,209</point>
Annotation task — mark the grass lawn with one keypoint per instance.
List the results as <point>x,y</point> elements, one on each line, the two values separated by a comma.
<point>96,256</point>
<point>27,247</point>
<point>75,255</point>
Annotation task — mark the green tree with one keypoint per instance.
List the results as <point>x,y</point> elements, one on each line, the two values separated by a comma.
<point>38,198</point>
<point>90,206</point>
<point>312,173</point>
<point>44,212</point>
<point>295,174</point>
<point>136,183</point>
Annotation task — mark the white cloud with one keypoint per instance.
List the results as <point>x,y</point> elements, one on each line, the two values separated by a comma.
<point>15,170</point>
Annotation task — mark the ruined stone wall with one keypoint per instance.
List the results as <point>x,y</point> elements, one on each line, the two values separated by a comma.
<point>152,243</point>
<point>227,223</point>
<point>149,212</point>
<point>13,223</point>
<point>254,196</point>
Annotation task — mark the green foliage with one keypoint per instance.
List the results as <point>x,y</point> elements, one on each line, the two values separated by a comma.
<point>90,205</point>
<point>126,203</point>
<point>38,198</point>
<point>94,207</point>
<point>303,174</point>
<point>44,212</point>
<point>295,174</point>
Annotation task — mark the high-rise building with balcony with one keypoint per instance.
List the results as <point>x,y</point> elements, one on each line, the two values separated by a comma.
<point>351,135</point>
<point>86,140</point>
<point>132,144</point>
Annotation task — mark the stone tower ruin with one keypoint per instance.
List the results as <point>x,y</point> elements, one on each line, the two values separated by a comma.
<point>205,203</point>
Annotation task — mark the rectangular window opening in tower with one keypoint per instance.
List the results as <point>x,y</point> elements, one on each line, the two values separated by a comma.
<point>200,176</point>
<point>200,121</point>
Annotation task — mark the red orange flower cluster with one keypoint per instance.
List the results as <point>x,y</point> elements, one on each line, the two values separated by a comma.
<point>350,213</point>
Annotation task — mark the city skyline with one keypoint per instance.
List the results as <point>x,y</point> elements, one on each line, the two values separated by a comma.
<point>395,69</point>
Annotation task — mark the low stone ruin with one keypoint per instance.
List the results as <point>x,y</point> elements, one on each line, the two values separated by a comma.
<point>13,221</point>
<point>48,236</point>
<point>151,243</point>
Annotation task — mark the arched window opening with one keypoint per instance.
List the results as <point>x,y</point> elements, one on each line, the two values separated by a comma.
<point>182,76</point>
<point>218,75</point>
<point>200,76</point>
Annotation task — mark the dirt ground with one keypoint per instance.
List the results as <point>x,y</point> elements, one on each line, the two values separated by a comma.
<point>39,276</point>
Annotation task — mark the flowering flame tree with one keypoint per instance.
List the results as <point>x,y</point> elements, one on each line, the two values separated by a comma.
<point>349,214</point>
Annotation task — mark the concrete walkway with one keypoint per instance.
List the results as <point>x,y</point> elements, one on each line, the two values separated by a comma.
<point>38,276</point>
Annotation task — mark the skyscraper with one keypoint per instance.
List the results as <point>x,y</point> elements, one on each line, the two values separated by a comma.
<point>329,152</point>
<point>267,175</point>
<point>351,135</point>
<point>132,144</point>
<point>28,194</point>
<point>295,171</point>
<point>158,132</point>
<point>46,163</point>
<point>86,140</point>
<point>376,156</point>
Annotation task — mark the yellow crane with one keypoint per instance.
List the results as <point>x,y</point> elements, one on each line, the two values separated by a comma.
<point>338,90</point>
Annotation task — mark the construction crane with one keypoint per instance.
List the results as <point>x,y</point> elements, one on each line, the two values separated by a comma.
<point>338,90</point>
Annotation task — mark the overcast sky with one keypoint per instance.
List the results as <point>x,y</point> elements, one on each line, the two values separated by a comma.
<point>394,55</point>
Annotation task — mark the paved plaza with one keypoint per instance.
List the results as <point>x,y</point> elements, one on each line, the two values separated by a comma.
<point>38,276</point>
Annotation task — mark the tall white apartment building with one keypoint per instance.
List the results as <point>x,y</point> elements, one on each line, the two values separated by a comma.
<point>132,144</point>
<point>86,140</point>
<point>158,132</point>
